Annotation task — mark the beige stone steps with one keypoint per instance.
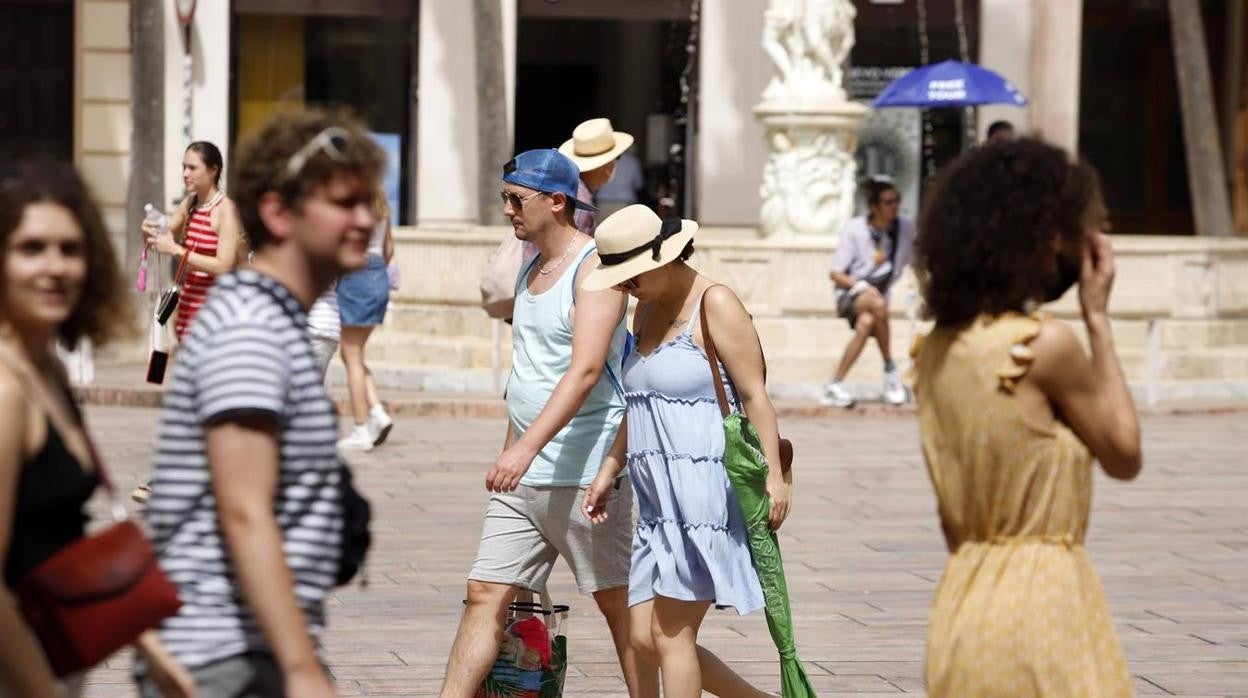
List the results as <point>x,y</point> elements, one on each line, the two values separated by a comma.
<point>813,358</point>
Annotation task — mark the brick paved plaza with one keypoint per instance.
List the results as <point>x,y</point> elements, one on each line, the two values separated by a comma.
<point>863,553</point>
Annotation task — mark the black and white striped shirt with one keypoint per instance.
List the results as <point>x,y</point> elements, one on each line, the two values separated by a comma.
<point>247,353</point>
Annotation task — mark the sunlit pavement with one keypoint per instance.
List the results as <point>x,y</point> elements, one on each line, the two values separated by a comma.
<point>862,549</point>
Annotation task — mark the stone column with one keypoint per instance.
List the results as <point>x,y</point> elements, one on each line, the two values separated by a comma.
<point>492,115</point>
<point>510,28</point>
<point>103,107</point>
<point>147,138</point>
<point>210,47</point>
<point>210,116</point>
<point>1056,57</point>
<point>730,150</point>
<point>1205,173</point>
<point>446,114</point>
<point>174,141</point>
<point>809,180</point>
<point>1005,46</point>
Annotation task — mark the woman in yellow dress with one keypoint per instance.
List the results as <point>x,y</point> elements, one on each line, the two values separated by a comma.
<point>1012,412</point>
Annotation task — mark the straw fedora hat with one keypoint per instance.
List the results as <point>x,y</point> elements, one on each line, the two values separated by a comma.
<point>594,143</point>
<point>633,241</point>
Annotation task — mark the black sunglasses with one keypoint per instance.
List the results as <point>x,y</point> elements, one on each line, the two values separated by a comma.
<point>517,202</point>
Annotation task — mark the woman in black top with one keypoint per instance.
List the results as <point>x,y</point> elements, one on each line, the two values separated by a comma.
<point>59,279</point>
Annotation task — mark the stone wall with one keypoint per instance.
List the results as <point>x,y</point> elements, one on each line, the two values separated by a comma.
<point>1180,306</point>
<point>102,105</point>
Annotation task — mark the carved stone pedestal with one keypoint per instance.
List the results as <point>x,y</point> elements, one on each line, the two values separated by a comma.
<point>808,182</point>
<point>809,179</point>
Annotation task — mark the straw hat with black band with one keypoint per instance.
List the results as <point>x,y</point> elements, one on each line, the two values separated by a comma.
<point>634,240</point>
<point>595,143</point>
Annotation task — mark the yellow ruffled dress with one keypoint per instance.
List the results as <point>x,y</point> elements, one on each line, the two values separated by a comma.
<point>1019,610</point>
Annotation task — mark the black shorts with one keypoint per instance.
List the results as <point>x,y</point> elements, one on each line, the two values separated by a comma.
<point>845,306</point>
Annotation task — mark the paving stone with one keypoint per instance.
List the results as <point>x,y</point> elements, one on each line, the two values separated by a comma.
<point>863,550</point>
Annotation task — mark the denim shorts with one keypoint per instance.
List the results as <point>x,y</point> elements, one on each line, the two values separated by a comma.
<point>363,295</point>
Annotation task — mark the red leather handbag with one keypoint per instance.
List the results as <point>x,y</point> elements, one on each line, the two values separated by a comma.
<point>97,594</point>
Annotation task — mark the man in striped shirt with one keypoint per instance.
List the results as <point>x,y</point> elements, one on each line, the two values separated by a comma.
<point>246,508</point>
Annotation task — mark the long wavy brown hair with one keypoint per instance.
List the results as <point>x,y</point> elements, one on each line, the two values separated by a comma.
<point>103,312</point>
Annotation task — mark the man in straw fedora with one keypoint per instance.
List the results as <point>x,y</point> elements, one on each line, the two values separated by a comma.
<point>595,146</point>
<point>564,408</point>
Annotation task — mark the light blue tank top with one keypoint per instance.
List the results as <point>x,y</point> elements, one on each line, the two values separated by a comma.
<point>541,346</point>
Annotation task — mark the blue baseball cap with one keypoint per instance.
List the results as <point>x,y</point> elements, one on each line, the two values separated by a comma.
<point>546,170</point>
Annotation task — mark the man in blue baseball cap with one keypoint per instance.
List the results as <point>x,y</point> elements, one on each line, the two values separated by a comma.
<point>564,407</point>
<point>547,170</point>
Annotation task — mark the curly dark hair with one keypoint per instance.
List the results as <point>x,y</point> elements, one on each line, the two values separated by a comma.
<point>263,163</point>
<point>103,312</point>
<point>989,234</point>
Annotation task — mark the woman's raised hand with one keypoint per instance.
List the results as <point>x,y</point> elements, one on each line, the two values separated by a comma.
<point>1097,275</point>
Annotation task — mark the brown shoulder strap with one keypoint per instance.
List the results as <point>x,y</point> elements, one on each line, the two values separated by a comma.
<point>183,265</point>
<point>712,356</point>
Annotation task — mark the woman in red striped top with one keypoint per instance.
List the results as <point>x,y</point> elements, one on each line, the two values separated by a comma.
<point>207,230</point>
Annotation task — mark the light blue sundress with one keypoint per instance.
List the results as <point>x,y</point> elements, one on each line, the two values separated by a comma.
<point>690,542</point>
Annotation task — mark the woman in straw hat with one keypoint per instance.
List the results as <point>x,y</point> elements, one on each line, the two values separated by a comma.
<point>689,547</point>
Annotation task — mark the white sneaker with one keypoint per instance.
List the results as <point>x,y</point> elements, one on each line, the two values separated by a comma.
<point>360,439</point>
<point>894,391</point>
<point>379,424</point>
<point>835,395</point>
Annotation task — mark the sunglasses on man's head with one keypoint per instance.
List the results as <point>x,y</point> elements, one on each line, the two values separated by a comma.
<point>517,202</point>
<point>331,141</point>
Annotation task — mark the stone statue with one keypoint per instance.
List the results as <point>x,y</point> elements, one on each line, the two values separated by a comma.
<point>809,41</point>
<point>809,179</point>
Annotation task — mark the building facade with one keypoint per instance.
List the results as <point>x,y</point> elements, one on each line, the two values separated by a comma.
<point>121,86</point>
<point>412,69</point>
<point>1099,73</point>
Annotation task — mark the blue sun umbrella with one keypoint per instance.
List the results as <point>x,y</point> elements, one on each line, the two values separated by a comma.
<point>949,84</point>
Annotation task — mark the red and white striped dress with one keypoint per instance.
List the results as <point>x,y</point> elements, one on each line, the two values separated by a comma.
<point>200,234</point>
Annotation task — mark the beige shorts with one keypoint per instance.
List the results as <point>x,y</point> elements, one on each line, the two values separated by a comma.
<point>527,530</point>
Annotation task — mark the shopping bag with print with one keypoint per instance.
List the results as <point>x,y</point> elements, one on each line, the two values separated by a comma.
<point>533,655</point>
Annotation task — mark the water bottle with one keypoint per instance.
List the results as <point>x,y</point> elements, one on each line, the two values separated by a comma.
<point>153,215</point>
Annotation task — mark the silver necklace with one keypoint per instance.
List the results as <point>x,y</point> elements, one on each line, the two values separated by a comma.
<point>547,270</point>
